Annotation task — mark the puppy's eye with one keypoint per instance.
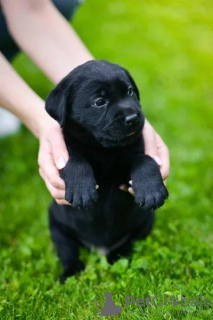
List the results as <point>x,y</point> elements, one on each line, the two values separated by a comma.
<point>99,102</point>
<point>130,91</point>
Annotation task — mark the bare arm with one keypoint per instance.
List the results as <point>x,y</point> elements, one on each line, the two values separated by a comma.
<point>44,34</point>
<point>21,100</point>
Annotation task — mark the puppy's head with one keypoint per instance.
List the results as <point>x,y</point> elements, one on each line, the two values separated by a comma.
<point>103,99</point>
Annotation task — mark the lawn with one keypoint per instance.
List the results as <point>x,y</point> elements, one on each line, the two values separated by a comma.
<point>167,46</point>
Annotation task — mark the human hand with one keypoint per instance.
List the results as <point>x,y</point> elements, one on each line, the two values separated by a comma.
<point>155,148</point>
<point>52,157</point>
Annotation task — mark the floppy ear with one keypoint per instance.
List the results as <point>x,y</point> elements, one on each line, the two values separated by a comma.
<point>133,84</point>
<point>56,105</point>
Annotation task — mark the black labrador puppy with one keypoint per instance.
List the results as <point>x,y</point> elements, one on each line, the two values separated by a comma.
<point>97,105</point>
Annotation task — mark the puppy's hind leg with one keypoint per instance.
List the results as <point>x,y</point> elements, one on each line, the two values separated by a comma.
<point>67,248</point>
<point>122,251</point>
<point>141,232</point>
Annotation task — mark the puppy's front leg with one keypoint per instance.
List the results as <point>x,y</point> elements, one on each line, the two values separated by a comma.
<point>80,184</point>
<point>147,183</point>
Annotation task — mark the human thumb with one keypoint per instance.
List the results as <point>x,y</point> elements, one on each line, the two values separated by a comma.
<point>150,144</point>
<point>59,150</point>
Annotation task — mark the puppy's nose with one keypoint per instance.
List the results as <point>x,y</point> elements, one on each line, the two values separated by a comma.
<point>131,120</point>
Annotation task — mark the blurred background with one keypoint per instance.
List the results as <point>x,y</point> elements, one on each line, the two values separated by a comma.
<point>167,47</point>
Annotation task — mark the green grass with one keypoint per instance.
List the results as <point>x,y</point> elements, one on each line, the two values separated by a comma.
<point>167,46</point>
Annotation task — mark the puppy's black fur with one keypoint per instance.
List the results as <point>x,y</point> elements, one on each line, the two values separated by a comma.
<point>97,105</point>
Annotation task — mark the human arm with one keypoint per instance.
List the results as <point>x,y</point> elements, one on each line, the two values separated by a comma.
<point>45,36</point>
<point>21,100</point>
<point>43,33</point>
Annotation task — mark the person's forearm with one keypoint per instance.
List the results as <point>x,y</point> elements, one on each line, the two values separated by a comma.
<point>43,33</point>
<point>17,97</point>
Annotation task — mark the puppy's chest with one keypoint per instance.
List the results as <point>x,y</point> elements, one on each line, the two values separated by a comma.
<point>110,168</point>
<point>111,165</point>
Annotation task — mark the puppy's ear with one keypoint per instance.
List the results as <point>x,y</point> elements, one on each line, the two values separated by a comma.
<point>56,105</point>
<point>133,84</point>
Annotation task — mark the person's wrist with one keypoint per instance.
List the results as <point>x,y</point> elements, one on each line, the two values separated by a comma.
<point>46,125</point>
<point>42,122</point>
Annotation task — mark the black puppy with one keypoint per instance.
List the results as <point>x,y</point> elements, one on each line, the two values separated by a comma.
<point>97,105</point>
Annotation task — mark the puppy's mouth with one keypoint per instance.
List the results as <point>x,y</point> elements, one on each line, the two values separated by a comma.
<point>131,133</point>
<point>110,141</point>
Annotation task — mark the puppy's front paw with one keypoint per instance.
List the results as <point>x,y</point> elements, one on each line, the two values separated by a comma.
<point>82,193</point>
<point>80,187</point>
<point>150,194</point>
